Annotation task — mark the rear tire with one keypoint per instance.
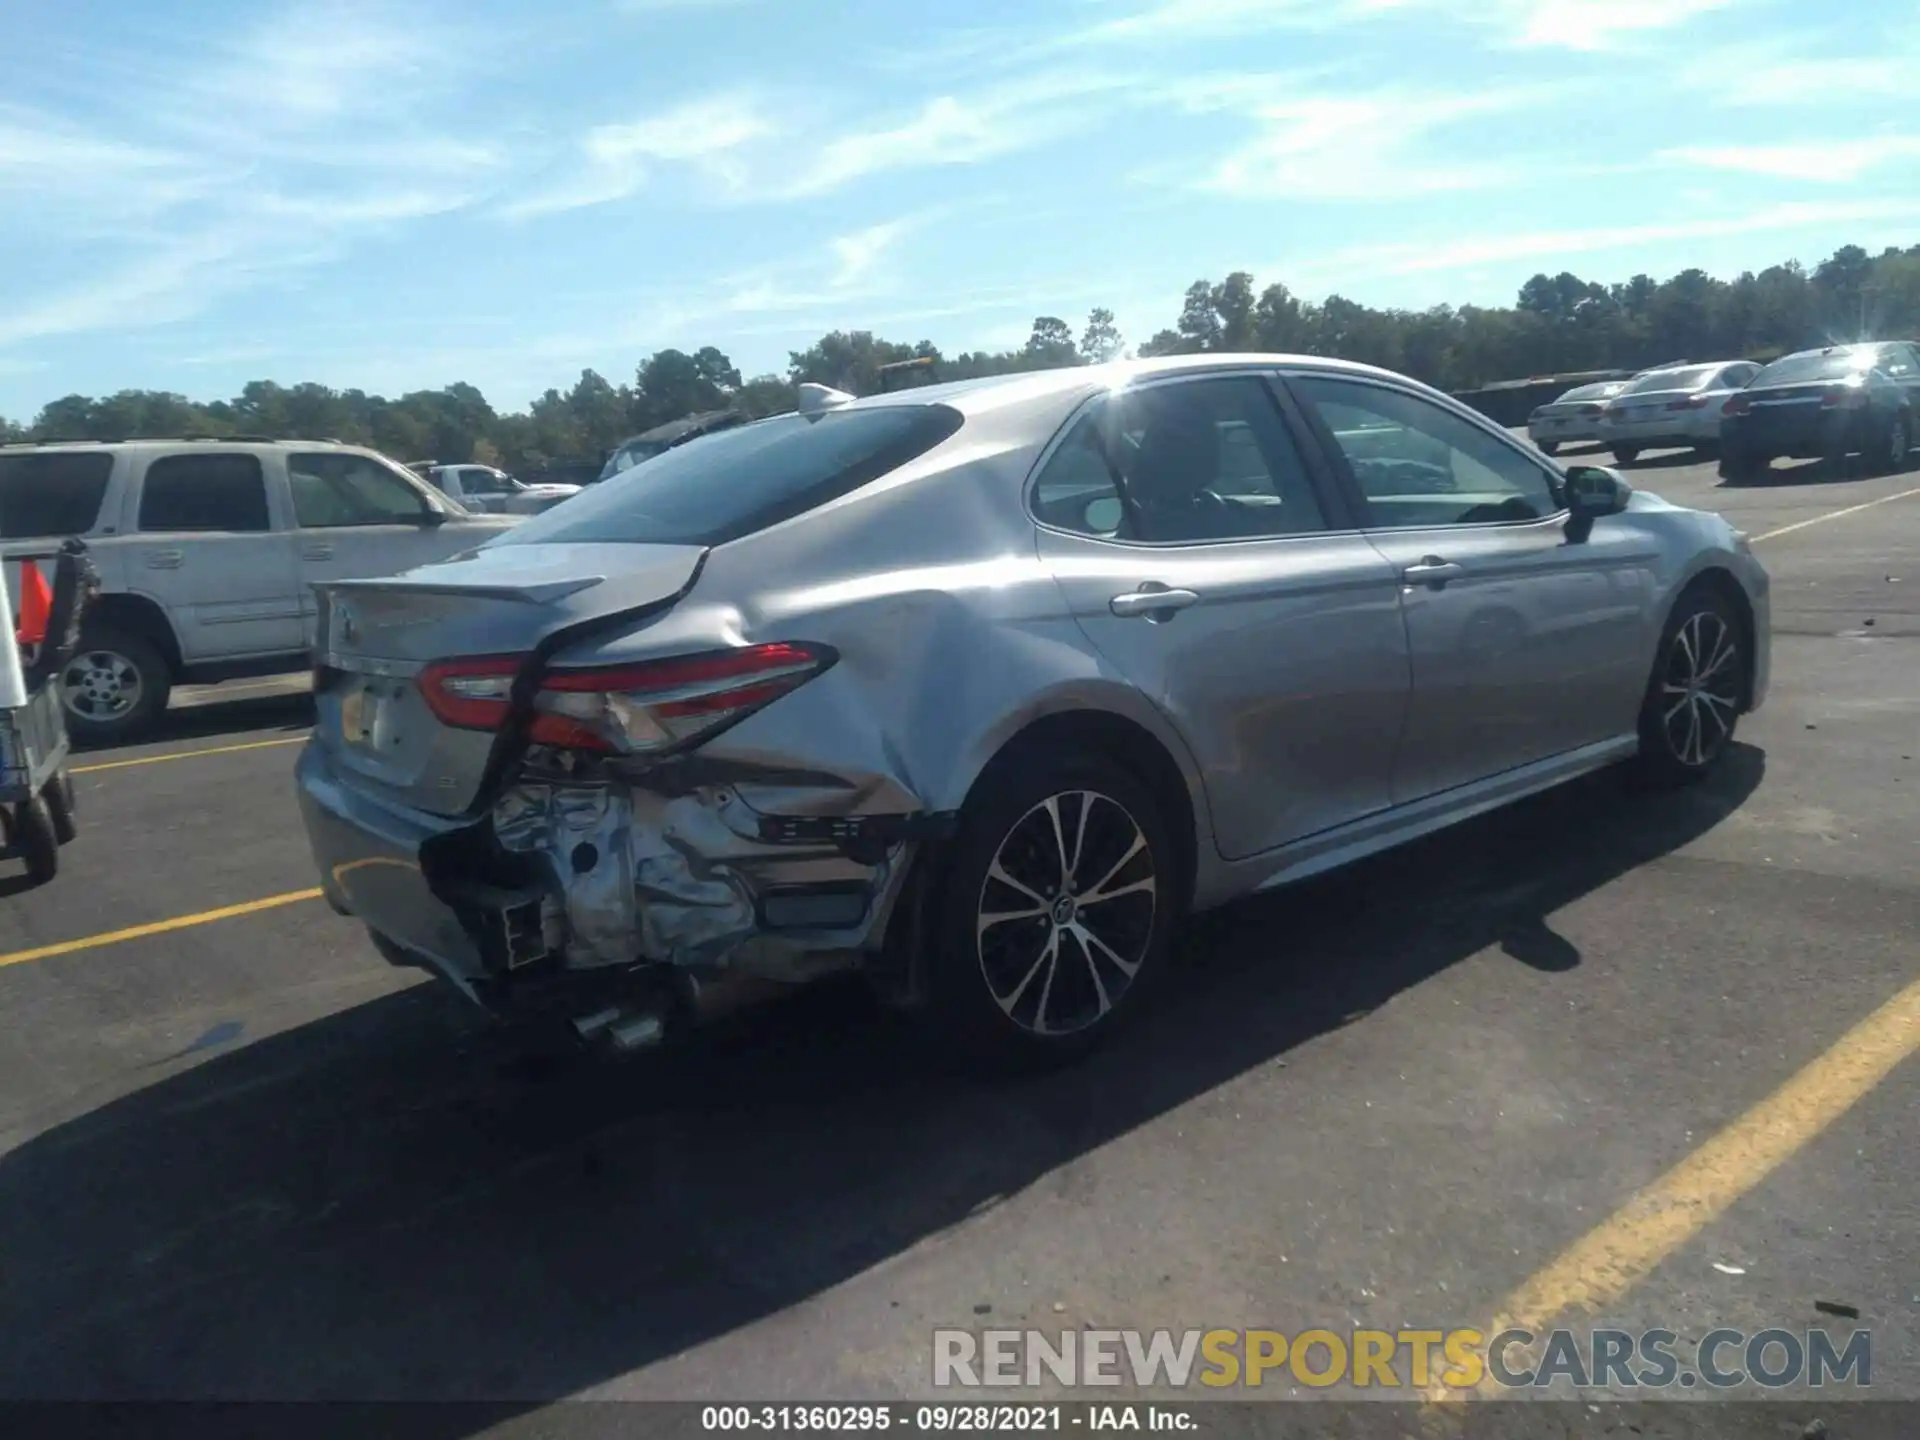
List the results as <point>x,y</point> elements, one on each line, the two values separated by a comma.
<point>1027,990</point>
<point>115,687</point>
<point>1549,447</point>
<point>1625,454</point>
<point>34,840</point>
<point>60,805</point>
<point>1694,695</point>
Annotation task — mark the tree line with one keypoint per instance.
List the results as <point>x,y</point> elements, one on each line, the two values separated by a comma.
<point>1558,324</point>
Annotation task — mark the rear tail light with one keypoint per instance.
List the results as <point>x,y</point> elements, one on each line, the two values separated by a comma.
<point>1692,402</point>
<point>471,694</point>
<point>1843,397</point>
<point>1738,405</point>
<point>1591,409</point>
<point>651,708</point>
<point>1613,412</point>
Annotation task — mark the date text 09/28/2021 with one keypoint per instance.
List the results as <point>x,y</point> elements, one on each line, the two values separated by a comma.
<point>944,1419</point>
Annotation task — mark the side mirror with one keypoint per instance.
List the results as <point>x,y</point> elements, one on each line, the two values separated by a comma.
<point>1593,491</point>
<point>432,517</point>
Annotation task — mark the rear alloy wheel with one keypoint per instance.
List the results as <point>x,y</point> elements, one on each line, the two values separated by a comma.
<point>1699,684</point>
<point>1625,454</point>
<point>1059,907</point>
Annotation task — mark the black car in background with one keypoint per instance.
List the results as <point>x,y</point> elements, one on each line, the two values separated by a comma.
<point>1828,404</point>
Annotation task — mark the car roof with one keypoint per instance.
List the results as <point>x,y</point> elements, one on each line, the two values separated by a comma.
<point>157,446</point>
<point>1854,348</point>
<point>991,392</point>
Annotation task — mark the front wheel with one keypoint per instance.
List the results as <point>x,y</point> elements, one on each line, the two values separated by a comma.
<point>115,686</point>
<point>1059,904</point>
<point>1625,454</point>
<point>1693,698</point>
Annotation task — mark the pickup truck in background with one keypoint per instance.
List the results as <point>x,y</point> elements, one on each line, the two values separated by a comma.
<point>484,489</point>
<point>207,552</point>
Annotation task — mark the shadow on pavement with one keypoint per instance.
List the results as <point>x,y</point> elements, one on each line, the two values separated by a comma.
<point>1666,460</point>
<point>212,718</point>
<point>371,1206</point>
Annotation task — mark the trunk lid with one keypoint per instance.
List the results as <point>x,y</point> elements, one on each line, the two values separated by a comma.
<point>376,635</point>
<point>1785,409</point>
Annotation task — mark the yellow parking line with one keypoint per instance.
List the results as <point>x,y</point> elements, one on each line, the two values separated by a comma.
<point>185,755</point>
<point>1623,1250</point>
<point>1835,515</point>
<point>157,927</point>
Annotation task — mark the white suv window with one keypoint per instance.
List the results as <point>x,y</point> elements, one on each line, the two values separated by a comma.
<point>333,489</point>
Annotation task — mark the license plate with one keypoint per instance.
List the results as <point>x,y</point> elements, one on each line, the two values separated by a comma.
<point>360,715</point>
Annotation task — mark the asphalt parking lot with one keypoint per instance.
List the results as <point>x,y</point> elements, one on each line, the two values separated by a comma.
<point>1646,1055</point>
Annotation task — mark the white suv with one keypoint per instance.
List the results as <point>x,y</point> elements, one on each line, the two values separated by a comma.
<point>208,551</point>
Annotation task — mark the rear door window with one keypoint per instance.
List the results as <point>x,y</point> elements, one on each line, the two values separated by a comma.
<point>337,489</point>
<point>742,480</point>
<point>1806,369</point>
<point>52,493</point>
<point>204,492</point>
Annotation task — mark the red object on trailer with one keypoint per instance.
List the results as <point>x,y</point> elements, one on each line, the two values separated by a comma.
<point>36,605</point>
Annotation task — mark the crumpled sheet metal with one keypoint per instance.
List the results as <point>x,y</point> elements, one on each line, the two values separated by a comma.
<point>669,878</point>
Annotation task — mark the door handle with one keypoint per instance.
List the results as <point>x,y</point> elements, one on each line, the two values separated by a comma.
<point>165,559</point>
<point>1151,602</point>
<point>1432,571</point>
<point>316,552</point>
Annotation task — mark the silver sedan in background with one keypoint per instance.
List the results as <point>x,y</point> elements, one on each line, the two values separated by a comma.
<point>979,689</point>
<point>1671,408</point>
<point>1574,418</point>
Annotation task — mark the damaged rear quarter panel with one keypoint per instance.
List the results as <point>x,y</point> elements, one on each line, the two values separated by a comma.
<point>951,637</point>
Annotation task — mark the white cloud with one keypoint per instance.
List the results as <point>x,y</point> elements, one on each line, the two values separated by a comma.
<point>1359,147</point>
<point>1601,24</point>
<point>1770,78</point>
<point>616,161</point>
<point>1835,162</point>
<point>1551,247</point>
<point>203,169</point>
<point>677,7</point>
<point>962,129</point>
<point>861,251</point>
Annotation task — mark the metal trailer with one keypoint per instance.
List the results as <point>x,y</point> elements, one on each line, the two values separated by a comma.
<point>36,790</point>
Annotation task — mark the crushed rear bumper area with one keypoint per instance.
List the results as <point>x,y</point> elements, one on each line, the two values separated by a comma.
<point>569,892</point>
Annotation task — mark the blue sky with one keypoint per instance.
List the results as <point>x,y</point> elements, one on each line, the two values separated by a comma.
<point>403,194</point>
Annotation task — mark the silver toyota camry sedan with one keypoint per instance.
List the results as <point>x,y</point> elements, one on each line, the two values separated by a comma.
<point>979,689</point>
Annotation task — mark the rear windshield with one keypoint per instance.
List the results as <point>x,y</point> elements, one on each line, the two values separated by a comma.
<point>1802,369</point>
<point>1671,380</point>
<point>738,481</point>
<point>53,493</point>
